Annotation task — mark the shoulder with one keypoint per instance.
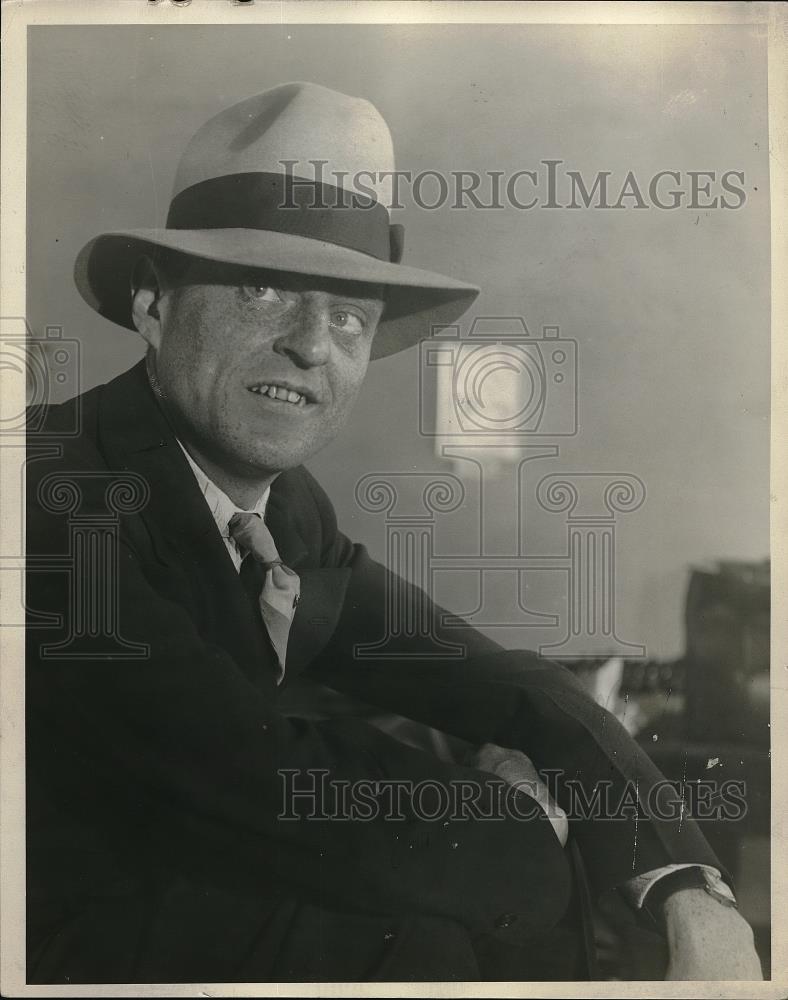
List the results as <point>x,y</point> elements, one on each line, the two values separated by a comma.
<point>302,494</point>
<point>311,510</point>
<point>67,461</point>
<point>64,435</point>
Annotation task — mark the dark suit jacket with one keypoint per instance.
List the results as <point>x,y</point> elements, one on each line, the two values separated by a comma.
<point>154,848</point>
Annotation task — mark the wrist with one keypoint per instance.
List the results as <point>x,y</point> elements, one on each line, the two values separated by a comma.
<point>691,918</point>
<point>687,889</point>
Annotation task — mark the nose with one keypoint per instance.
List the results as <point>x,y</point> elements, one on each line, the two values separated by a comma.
<point>307,339</point>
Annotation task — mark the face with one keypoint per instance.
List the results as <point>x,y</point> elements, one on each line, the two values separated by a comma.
<point>260,370</point>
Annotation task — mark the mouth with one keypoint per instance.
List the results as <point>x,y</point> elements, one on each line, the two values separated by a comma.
<point>282,393</point>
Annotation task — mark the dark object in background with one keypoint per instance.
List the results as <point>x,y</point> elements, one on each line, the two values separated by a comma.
<point>727,653</point>
<point>718,690</point>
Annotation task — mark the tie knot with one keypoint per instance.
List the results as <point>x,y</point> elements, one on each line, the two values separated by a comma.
<point>251,534</point>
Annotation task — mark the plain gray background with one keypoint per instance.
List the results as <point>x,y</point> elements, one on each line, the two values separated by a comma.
<point>670,308</point>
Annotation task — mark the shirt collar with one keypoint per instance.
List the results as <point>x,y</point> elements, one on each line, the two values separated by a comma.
<point>221,506</point>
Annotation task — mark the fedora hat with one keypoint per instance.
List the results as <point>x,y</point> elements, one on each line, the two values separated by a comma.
<point>290,180</point>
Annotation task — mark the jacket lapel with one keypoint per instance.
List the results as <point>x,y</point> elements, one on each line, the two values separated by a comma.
<point>135,435</point>
<point>317,615</point>
<point>322,590</point>
<point>292,549</point>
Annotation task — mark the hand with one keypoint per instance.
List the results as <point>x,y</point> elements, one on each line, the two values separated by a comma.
<point>517,770</point>
<point>707,940</point>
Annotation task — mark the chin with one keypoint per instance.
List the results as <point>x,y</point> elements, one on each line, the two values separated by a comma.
<point>273,463</point>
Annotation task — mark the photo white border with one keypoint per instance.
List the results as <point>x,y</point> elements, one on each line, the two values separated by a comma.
<point>18,15</point>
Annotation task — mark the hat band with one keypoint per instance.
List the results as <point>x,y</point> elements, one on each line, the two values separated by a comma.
<point>285,204</point>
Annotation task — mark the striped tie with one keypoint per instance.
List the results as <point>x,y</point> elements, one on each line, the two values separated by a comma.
<point>279,594</point>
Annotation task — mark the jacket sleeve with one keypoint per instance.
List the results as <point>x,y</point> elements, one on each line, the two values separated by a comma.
<point>625,816</point>
<point>182,747</point>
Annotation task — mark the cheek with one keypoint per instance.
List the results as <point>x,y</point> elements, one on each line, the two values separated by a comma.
<point>199,339</point>
<point>348,384</point>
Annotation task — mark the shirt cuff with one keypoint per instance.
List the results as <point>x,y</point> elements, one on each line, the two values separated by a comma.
<point>634,890</point>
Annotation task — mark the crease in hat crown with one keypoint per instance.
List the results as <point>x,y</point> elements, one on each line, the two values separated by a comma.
<point>229,205</point>
<point>321,133</point>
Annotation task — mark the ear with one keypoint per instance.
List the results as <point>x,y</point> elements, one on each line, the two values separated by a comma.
<point>146,290</point>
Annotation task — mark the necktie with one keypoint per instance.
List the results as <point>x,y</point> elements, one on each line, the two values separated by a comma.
<point>275,585</point>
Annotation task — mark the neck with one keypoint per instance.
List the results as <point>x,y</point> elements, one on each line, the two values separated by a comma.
<point>244,492</point>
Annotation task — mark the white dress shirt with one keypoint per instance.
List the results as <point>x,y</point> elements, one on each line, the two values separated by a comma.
<point>222,508</point>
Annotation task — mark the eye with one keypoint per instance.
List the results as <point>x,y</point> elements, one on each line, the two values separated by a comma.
<point>260,293</point>
<point>347,322</point>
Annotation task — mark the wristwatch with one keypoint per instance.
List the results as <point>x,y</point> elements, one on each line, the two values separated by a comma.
<point>685,878</point>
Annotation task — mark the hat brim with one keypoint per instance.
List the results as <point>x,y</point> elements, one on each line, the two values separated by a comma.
<point>417,301</point>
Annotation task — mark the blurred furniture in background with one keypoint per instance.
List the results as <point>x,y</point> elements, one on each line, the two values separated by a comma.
<point>727,653</point>
<point>704,718</point>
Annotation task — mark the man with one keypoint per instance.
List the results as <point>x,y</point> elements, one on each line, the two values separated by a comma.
<point>157,845</point>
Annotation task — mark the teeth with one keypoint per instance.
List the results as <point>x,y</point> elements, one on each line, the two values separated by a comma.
<point>279,392</point>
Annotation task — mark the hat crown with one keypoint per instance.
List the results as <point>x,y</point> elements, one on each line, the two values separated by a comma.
<point>297,124</point>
